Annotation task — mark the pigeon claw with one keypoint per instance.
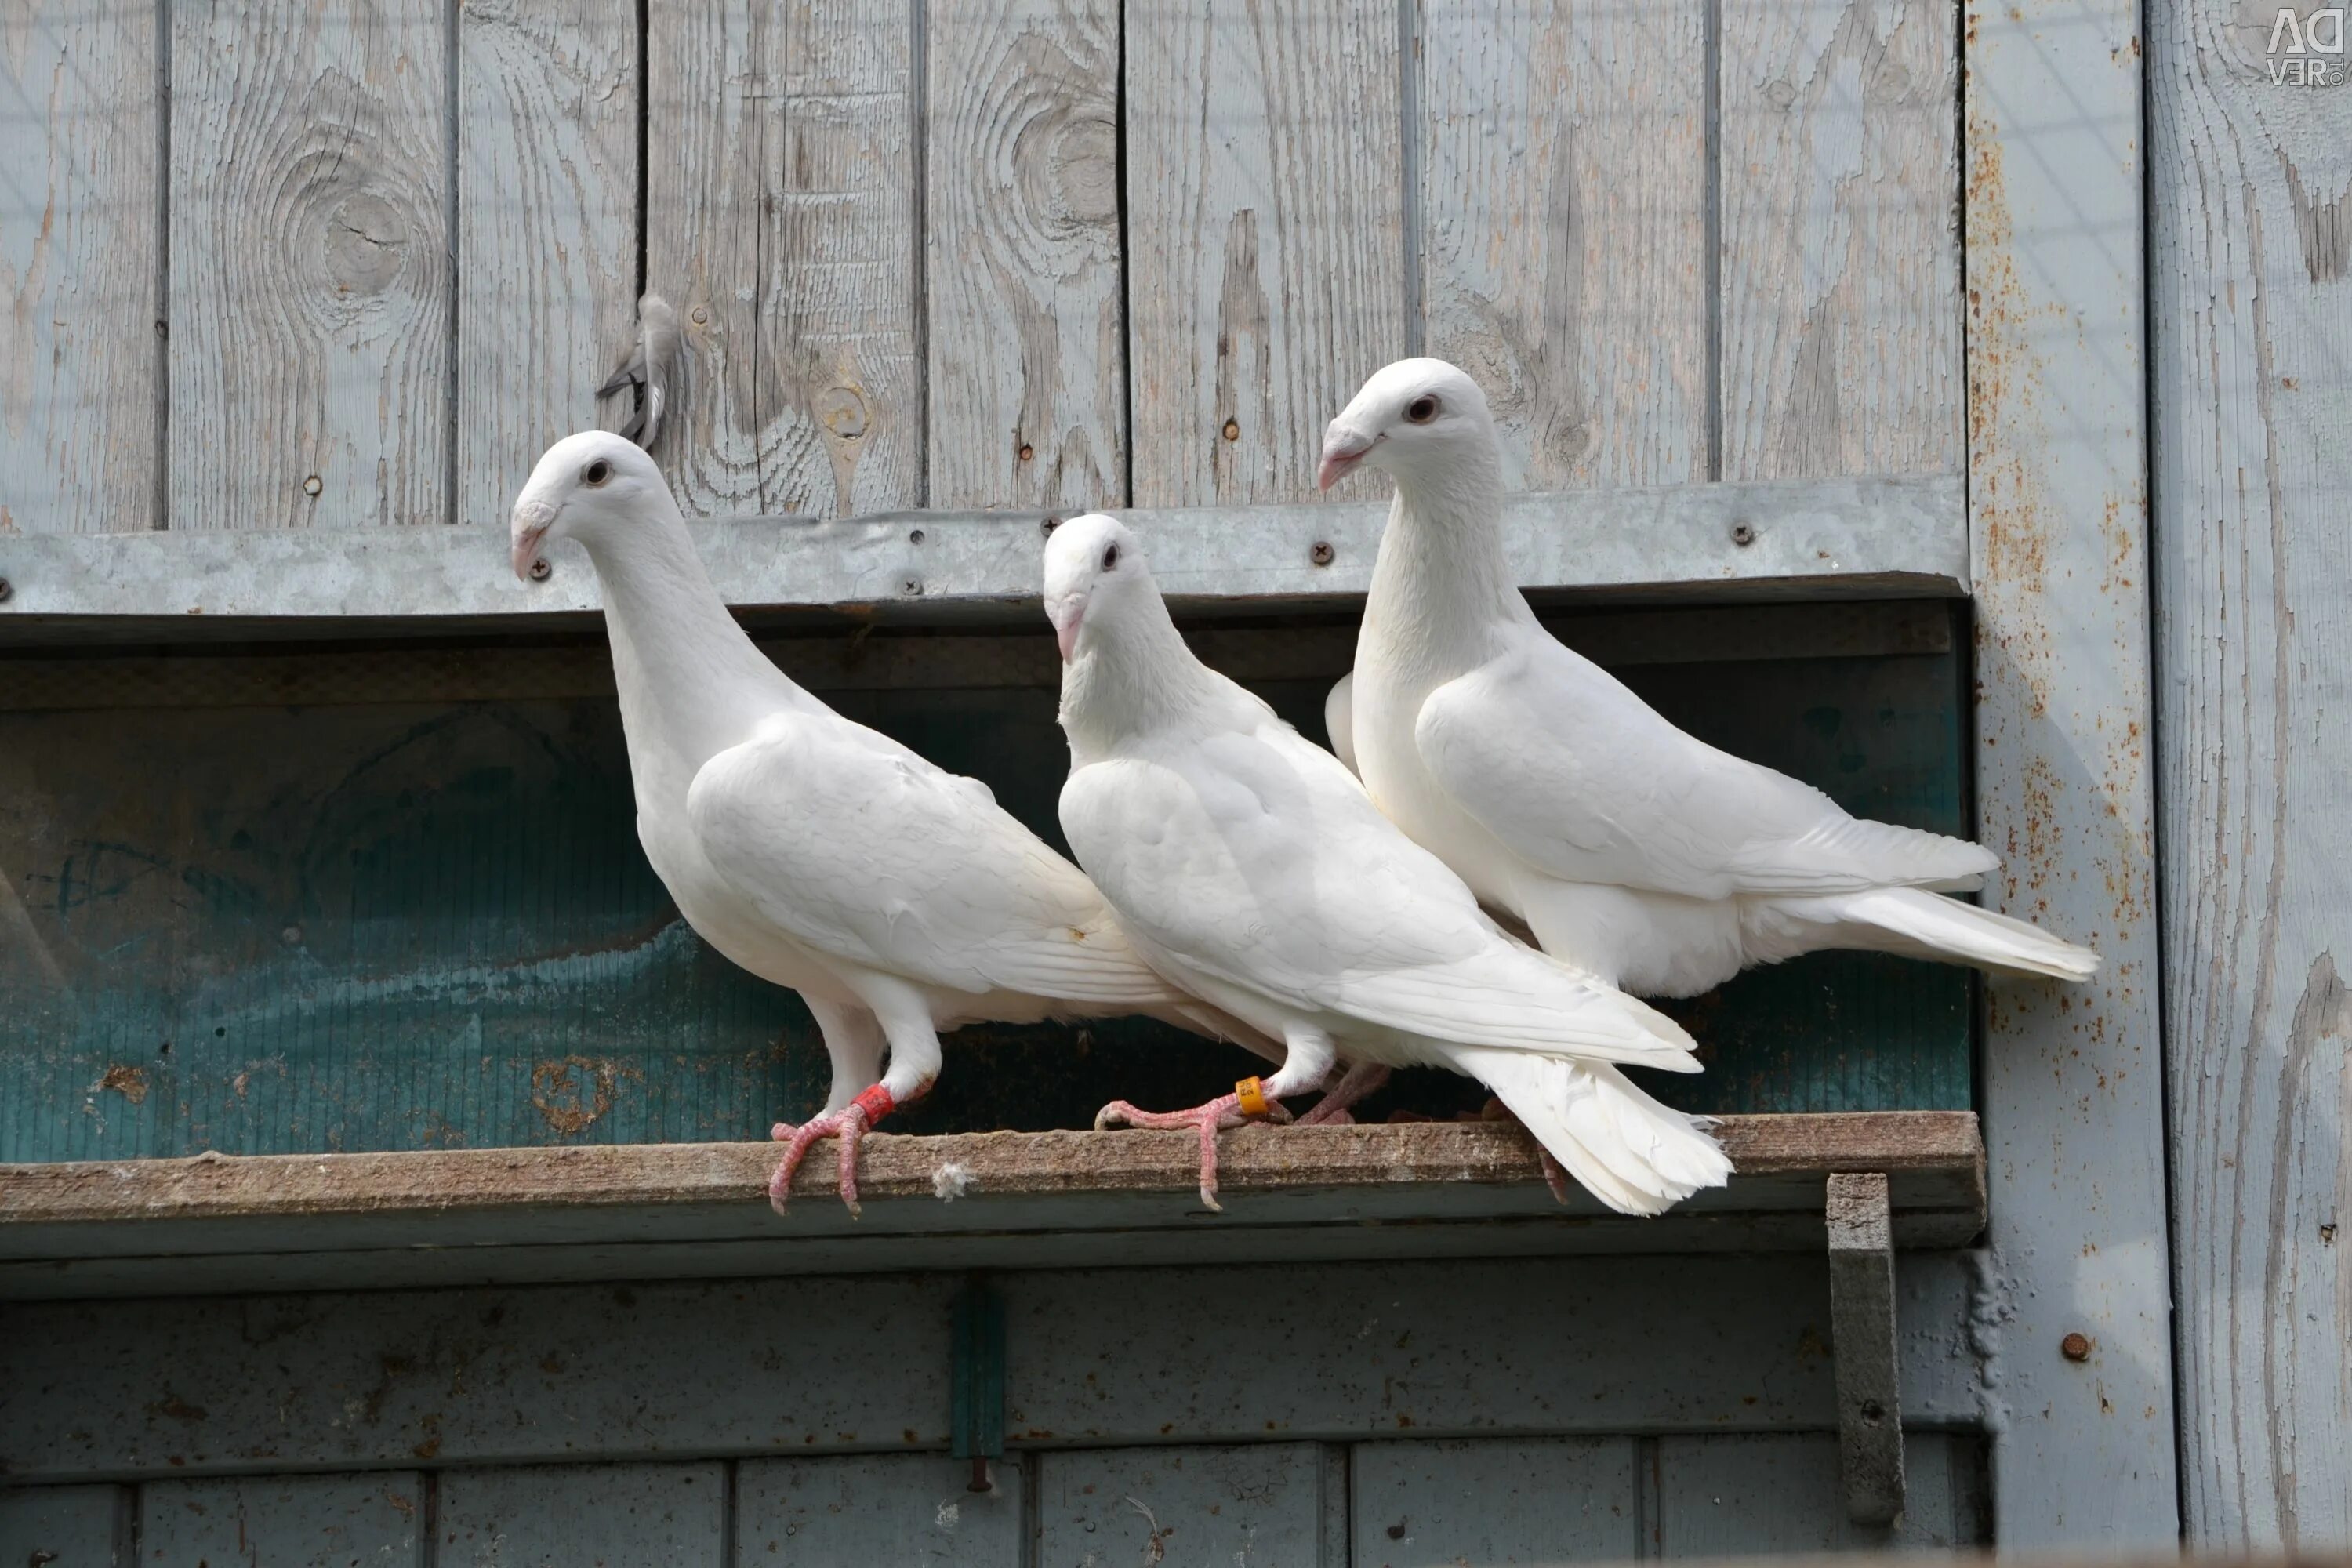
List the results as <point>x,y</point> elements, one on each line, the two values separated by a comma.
<point>1207,1120</point>
<point>848,1124</point>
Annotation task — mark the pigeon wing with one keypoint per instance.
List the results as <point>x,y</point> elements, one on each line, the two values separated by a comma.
<point>1581,779</point>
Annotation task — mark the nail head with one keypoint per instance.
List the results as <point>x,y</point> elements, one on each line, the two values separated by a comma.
<point>2075,1347</point>
<point>313,485</point>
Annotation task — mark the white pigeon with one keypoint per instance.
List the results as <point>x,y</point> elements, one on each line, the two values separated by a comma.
<point>898,899</point>
<point>1626,845</point>
<point>1250,867</point>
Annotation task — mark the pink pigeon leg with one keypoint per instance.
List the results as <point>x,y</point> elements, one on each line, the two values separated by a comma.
<point>849,1124</point>
<point>1361,1079</point>
<point>1206,1119</point>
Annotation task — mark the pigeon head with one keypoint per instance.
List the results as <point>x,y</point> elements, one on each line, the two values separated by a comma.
<point>1093,568</point>
<point>1416,419</point>
<point>586,487</point>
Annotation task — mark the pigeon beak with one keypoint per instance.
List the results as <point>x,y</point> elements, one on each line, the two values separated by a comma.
<point>1067,616</point>
<point>1343,451</point>
<point>532,518</point>
<point>526,550</point>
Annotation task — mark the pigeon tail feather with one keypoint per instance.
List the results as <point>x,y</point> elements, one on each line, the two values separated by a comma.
<point>1922,924</point>
<point>1632,1153</point>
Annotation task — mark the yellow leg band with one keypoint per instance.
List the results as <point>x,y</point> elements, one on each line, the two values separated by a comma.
<point>1251,1094</point>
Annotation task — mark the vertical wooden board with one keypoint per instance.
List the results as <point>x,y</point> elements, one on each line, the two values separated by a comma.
<point>1433,1505</point>
<point>1563,231</point>
<point>1027,323</point>
<point>1265,208</point>
<point>584,1516</point>
<point>2073,1089</point>
<point>841,427</point>
<point>2250,212</point>
<point>63,1527</point>
<point>547,231</point>
<point>781,215</point>
<point>311,272</point>
<point>78,261</point>
<point>1189,1507</point>
<point>909,1508</point>
<point>1755,1495</point>
<point>1839,250</point>
<point>374,1521</point>
<point>707,94</point>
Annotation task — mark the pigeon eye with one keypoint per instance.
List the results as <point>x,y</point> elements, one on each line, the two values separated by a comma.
<point>596,473</point>
<point>1110,557</point>
<point>1421,409</point>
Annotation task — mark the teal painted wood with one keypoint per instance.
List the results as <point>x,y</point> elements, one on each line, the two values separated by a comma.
<point>584,1516</point>
<point>1095,1358</point>
<point>1193,1507</point>
<point>386,925</point>
<point>1745,1496</point>
<point>373,1521</point>
<point>1434,1505</point>
<point>894,1509</point>
<point>64,1527</point>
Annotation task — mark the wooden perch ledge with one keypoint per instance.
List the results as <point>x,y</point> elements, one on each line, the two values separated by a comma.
<point>1000,1199</point>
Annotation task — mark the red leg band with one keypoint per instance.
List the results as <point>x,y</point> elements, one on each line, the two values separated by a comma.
<point>877,1103</point>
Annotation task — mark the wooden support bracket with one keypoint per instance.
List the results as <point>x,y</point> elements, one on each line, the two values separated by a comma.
<point>1862,1341</point>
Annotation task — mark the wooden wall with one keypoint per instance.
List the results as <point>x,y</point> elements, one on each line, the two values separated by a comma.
<point>2251,274</point>
<point>374,254</point>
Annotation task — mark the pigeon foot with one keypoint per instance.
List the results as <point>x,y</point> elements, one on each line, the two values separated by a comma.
<point>1224,1111</point>
<point>1333,1110</point>
<point>849,1124</point>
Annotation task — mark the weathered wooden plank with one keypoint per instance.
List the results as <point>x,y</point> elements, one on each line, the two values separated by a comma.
<point>584,1516</point>
<point>1841,303</point>
<point>1837,538</point>
<point>1751,1495</point>
<point>80,258</point>
<point>547,231</point>
<point>2252,326</point>
<point>1028,1200</point>
<point>2073,1094</point>
<point>780,220</point>
<point>1938,1144</point>
<point>1095,1357</point>
<point>66,1527</point>
<point>308,1521</point>
<point>1264,198</point>
<point>1420,1505</point>
<point>1563,232</point>
<point>1027,334</point>
<point>883,1508</point>
<point>1864,1329</point>
<point>1183,1508</point>
<point>310,270</point>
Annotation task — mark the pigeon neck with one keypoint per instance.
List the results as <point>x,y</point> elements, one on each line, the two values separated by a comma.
<point>681,662</point>
<point>1133,677</point>
<point>1442,574</point>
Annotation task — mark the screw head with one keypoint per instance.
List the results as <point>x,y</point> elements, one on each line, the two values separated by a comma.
<point>2075,1347</point>
<point>910,586</point>
<point>915,536</point>
<point>311,485</point>
<point>540,569</point>
<point>1049,525</point>
<point>1322,553</point>
<point>1742,534</point>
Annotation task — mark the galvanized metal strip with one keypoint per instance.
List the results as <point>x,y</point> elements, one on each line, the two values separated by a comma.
<point>2084,1456</point>
<point>929,660</point>
<point>1862,1344</point>
<point>1855,538</point>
